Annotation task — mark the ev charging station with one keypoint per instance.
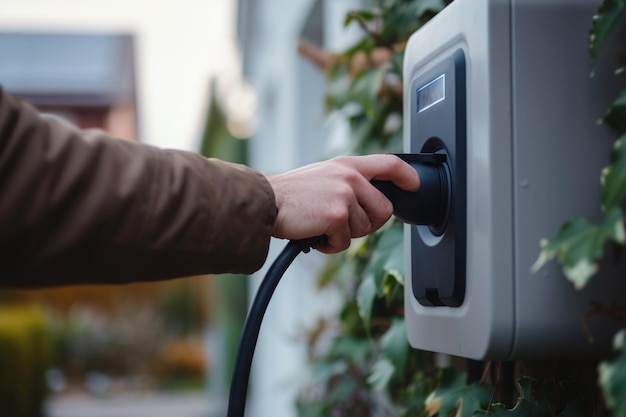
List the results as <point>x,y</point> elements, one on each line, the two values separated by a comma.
<point>503,89</point>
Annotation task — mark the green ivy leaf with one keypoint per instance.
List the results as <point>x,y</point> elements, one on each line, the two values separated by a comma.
<point>612,378</point>
<point>397,63</point>
<point>381,374</point>
<point>615,117</point>
<point>604,21</point>
<point>337,89</point>
<point>359,16</point>
<point>401,18</point>
<point>350,318</point>
<point>393,286</point>
<point>388,256</point>
<point>537,395</point>
<point>579,245</point>
<point>342,390</point>
<point>537,399</point>
<point>394,344</point>
<point>365,44</point>
<point>392,243</point>
<point>365,295</point>
<point>614,177</point>
<point>425,6</point>
<point>393,274</point>
<point>354,348</point>
<point>366,87</point>
<point>309,408</point>
<point>454,397</point>
<point>522,409</point>
<point>385,262</point>
<point>322,372</point>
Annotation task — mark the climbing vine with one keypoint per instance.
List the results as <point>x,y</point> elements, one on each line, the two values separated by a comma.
<point>360,360</point>
<point>580,244</point>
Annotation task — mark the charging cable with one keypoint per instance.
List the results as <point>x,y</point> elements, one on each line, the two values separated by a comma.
<point>252,326</point>
<point>427,206</point>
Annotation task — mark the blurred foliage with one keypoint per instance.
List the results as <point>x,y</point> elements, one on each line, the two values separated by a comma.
<point>134,347</point>
<point>181,364</point>
<point>361,364</point>
<point>180,306</point>
<point>229,295</point>
<point>613,378</point>
<point>580,245</point>
<point>544,399</point>
<point>454,396</point>
<point>25,346</point>
<point>609,13</point>
<point>124,342</point>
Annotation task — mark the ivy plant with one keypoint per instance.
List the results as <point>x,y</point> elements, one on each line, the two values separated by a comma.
<point>580,244</point>
<point>360,360</point>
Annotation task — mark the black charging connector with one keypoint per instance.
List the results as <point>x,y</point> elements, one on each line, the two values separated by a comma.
<point>430,204</point>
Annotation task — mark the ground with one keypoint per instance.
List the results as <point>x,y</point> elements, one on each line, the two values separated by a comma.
<point>135,405</point>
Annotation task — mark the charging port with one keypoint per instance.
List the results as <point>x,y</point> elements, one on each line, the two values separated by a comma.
<point>429,205</point>
<point>437,278</point>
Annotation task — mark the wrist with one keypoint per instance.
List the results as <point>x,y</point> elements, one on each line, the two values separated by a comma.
<point>274,182</point>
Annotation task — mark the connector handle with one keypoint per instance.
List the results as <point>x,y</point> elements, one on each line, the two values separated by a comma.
<point>430,204</point>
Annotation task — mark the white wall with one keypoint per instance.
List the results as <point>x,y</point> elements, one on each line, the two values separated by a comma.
<point>179,45</point>
<point>292,131</point>
<point>279,360</point>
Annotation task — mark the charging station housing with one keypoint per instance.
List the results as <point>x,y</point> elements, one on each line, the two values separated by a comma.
<point>504,88</point>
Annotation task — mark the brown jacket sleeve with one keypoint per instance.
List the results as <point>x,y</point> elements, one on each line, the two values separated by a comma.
<point>82,207</point>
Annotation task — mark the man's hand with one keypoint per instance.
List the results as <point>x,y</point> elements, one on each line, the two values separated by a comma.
<point>335,198</point>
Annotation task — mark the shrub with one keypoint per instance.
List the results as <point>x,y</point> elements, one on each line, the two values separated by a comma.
<point>24,358</point>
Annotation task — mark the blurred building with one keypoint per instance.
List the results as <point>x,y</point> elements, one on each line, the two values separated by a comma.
<point>292,131</point>
<point>86,78</point>
<point>141,70</point>
<point>178,48</point>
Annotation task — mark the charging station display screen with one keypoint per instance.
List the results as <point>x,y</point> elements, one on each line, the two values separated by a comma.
<point>431,93</point>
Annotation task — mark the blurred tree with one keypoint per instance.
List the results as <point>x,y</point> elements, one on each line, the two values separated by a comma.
<point>229,298</point>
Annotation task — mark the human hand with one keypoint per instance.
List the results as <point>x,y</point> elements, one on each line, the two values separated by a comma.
<point>335,198</point>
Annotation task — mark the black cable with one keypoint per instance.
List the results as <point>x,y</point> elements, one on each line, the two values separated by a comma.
<point>252,326</point>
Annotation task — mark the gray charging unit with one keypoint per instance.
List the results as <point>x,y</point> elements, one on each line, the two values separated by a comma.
<point>503,89</point>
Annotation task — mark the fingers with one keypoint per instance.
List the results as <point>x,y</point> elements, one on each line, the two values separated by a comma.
<point>387,168</point>
<point>367,210</point>
<point>337,241</point>
<point>336,198</point>
<point>374,207</point>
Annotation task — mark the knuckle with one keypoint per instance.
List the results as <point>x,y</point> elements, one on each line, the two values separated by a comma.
<point>395,163</point>
<point>350,178</point>
<point>344,192</point>
<point>338,215</point>
<point>341,160</point>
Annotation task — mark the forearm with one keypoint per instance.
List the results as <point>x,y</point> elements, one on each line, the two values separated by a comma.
<point>84,207</point>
